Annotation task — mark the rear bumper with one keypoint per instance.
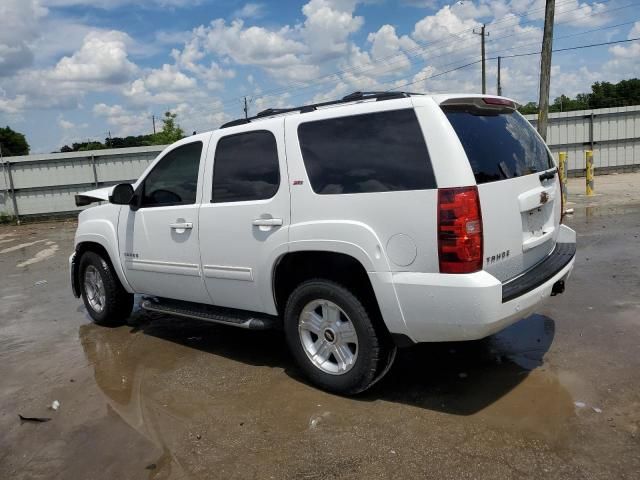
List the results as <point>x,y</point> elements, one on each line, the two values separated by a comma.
<point>442,307</point>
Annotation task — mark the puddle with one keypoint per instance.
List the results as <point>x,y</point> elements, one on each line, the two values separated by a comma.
<point>173,380</point>
<point>592,211</point>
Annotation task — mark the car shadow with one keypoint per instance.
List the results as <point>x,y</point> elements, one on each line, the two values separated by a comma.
<point>463,378</point>
<point>458,378</point>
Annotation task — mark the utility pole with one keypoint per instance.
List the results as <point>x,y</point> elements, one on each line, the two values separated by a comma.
<point>484,68</point>
<point>153,119</point>
<point>246,108</point>
<point>499,84</point>
<point>545,68</point>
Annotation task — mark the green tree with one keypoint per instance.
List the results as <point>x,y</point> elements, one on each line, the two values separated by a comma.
<point>171,131</point>
<point>13,143</point>
<point>531,107</point>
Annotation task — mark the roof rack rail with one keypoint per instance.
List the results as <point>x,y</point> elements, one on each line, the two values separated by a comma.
<point>352,97</point>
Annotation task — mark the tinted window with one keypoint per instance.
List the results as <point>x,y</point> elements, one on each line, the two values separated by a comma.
<point>375,152</point>
<point>174,180</point>
<point>246,167</point>
<point>498,145</point>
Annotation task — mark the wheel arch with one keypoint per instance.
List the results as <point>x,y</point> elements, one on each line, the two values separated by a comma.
<point>296,267</point>
<point>98,245</point>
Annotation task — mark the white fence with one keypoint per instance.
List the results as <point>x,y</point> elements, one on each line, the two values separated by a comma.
<point>612,133</point>
<point>46,184</point>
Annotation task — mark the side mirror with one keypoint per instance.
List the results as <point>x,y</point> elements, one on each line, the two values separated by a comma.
<point>121,194</point>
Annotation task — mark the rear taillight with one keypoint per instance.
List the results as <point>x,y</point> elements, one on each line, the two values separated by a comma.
<point>459,230</point>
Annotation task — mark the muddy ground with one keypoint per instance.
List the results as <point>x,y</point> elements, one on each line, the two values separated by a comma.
<point>556,395</point>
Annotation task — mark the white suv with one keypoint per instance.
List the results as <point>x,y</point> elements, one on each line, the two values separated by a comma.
<point>360,225</point>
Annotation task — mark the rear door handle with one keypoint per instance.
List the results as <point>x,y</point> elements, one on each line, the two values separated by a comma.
<point>267,222</point>
<point>181,226</point>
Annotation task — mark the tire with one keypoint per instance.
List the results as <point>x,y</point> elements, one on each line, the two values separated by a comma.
<point>114,304</point>
<point>311,340</point>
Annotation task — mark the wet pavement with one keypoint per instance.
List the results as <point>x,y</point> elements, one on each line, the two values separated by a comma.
<point>557,395</point>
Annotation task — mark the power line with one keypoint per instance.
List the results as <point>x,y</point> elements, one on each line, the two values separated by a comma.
<point>421,50</point>
<point>371,69</point>
<point>570,48</point>
<point>417,51</point>
<point>513,56</point>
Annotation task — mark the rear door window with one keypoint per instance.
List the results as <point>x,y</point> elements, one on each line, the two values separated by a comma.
<point>246,167</point>
<point>374,152</point>
<point>498,145</point>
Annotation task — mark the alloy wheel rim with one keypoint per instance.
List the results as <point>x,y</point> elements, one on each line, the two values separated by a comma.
<point>94,289</point>
<point>328,337</point>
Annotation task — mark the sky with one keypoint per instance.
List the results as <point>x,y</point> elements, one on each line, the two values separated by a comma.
<point>78,70</point>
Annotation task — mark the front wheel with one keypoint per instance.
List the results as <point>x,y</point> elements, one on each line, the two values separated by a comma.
<point>332,337</point>
<point>106,301</point>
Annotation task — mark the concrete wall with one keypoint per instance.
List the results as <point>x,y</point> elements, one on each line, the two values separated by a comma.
<point>46,184</point>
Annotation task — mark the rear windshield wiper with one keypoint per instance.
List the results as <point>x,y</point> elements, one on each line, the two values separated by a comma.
<point>547,175</point>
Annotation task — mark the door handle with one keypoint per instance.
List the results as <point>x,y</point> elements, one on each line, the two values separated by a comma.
<point>267,222</point>
<point>181,226</point>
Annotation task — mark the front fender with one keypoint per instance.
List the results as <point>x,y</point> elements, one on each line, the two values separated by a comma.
<point>99,225</point>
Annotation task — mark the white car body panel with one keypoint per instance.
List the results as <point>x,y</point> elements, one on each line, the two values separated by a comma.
<point>160,260</point>
<point>99,225</point>
<point>238,257</point>
<point>226,261</point>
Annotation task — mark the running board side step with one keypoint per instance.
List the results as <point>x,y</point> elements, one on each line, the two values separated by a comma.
<point>209,313</point>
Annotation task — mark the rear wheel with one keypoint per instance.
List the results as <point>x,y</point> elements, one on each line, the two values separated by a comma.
<point>106,301</point>
<point>332,337</point>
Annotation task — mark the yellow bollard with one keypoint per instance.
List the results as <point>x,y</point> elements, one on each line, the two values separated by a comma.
<point>588,157</point>
<point>562,156</point>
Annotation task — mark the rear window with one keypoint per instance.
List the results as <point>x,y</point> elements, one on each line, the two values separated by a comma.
<point>499,145</point>
<point>374,152</point>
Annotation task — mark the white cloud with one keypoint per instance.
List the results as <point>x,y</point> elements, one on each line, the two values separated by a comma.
<point>102,59</point>
<point>387,47</point>
<point>18,28</point>
<point>65,124</point>
<point>328,26</point>
<point>443,25</point>
<point>190,59</point>
<point>421,3</point>
<point>13,105</point>
<point>624,61</point>
<point>110,4</point>
<point>168,78</point>
<point>579,14</point>
<point>252,45</point>
<point>124,121</point>
<point>166,85</point>
<point>250,10</point>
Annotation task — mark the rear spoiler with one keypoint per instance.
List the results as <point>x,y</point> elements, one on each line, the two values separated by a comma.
<point>489,104</point>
